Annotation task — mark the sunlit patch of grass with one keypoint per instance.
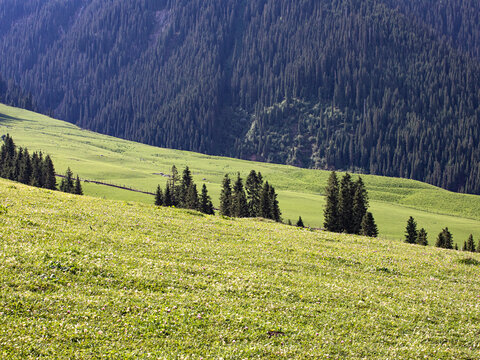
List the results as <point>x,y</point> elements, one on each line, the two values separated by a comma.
<point>85,278</point>
<point>300,191</point>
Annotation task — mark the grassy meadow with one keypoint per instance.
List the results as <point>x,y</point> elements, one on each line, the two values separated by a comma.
<point>87,278</point>
<point>103,158</point>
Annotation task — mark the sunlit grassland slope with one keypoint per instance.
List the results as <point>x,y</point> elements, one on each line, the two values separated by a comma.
<point>103,158</point>
<point>84,278</point>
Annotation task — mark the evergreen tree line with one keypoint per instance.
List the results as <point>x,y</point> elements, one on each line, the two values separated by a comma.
<point>17,164</point>
<point>256,199</point>
<point>182,192</point>
<point>444,238</point>
<point>346,207</point>
<point>396,92</point>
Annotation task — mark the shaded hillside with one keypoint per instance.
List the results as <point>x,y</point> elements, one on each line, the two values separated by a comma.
<point>384,87</point>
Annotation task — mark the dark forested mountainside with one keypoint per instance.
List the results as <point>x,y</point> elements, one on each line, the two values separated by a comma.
<point>385,87</point>
<point>12,95</point>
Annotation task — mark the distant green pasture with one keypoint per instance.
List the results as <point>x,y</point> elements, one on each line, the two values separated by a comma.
<point>108,159</point>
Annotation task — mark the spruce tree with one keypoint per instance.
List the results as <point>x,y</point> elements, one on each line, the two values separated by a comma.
<point>422,237</point>
<point>17,163</point>
<point>37,170</point>
<point>464,248</point>
<point>226,197</point>
<point>78,187</point>
<point>276,213</point>
<point>345,207</point>
<point>253,187</point>
<point>360,205</point>
<point>191,200</point>
<point>7,157</point>
<point>368,226</point>
<point>159,196</point>
<point>49,174</point>
<point>186,183</point>
<point>206,205</point>
<point>330,214</point>
<point>300,222</point>
<point>265,202</point>
<point>25,174</point>
<point>444,239</point>
<point>239,201</point>
<point>168,201</point>
<point>411,231</point>
<point>471,244</point>
<point>67,184</point>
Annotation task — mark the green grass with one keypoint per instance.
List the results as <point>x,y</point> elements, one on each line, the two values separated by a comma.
<point>104,158</point>
<point>87,278</point>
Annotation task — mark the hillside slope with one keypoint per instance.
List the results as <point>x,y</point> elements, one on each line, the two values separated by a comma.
<point>387,87</point>
<point>111,160</point>
<point>83,278</point>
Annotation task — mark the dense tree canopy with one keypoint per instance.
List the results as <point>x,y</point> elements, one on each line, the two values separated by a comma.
<point>387,87</point>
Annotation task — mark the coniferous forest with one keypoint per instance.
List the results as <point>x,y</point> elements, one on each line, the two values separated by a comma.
<point>38,170</point>
<point>388,87</point>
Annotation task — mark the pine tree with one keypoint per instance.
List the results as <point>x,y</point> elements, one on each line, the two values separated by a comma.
<point>168,195</point>
<point>253,187</point>
<point>37,170</point>
<point>78,187</point>
<point>345,207</point>
<point>411,231</point>
<point>67,184</point>
<point>226,197</point>
<point>276,212</point>
<point>206,205</point>
<point>25,174</point>
<point>7,157</point>
<point>331,215</point>
<point>49,174</point>
<point>186,183</point>
<point>191,200</point>
<point>368,226</point>
<point>444,239</point>
<point>265,202</point>
<point>464,248</point>
<point>360,205</point>
<point>471,244</point>
<point>422,237</point>
<point>15,170</point>
<point>300,222</point>
<point>239,201</point>
<point>159,196</point>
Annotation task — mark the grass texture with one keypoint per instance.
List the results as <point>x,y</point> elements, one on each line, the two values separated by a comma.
<point>103,158</point>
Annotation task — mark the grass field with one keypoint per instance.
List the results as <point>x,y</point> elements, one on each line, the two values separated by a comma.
<point>87,278</point>
<point>104,158</point>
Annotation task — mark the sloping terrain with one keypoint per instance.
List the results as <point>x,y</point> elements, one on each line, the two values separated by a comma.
<point>103,158</point>
<point>387,87</point>
<point>84,278</point>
